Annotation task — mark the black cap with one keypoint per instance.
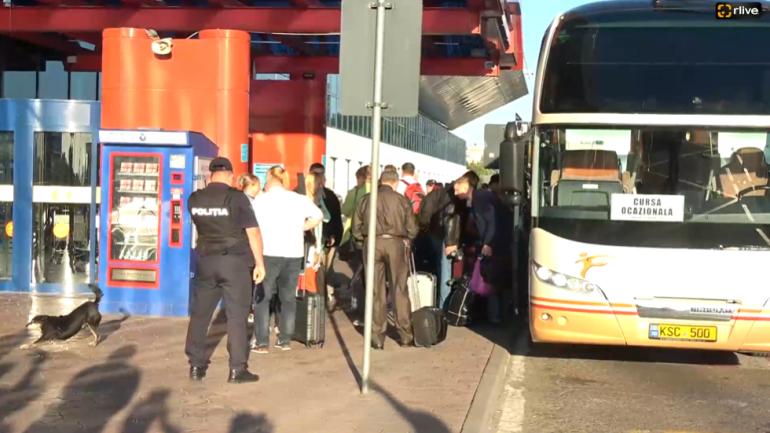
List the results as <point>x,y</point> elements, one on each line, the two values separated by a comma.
<point>220,164</point>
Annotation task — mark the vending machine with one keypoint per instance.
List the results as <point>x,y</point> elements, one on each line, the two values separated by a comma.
<point>145,231</point>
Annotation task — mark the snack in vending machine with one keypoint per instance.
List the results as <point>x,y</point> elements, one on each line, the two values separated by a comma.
<point>151,168</point>
<point>139,167</point>
<point>125,201</point>
<point>125,185</point>
<point>149,185</point>
<point>137,185</point>
<point>137,200</point>
<point>125,167</point>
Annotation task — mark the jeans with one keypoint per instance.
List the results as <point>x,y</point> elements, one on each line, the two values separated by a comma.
<point>281,276</point>
<point>443,270</point>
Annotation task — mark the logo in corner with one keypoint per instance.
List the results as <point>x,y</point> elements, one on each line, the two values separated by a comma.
<point>589,262</point>
<point>724,10</point>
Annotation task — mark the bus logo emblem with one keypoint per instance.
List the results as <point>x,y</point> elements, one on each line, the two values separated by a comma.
<point>588,262</point>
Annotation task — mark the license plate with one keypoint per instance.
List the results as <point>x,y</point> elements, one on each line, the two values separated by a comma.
<point>683,332</point>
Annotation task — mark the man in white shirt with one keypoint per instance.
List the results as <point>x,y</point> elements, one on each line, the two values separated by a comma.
<point>407,177</point>
<point>284,216</point>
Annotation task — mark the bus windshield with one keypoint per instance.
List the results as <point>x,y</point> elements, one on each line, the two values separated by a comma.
<point>657,187</point>
<point>657,61</point>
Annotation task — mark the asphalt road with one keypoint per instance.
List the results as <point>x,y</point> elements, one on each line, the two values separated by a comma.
<point>590,389</point>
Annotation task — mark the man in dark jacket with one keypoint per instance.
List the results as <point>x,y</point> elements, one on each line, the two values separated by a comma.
<point>439,219</point>
<point>489,217</point>
<point>396,228</point>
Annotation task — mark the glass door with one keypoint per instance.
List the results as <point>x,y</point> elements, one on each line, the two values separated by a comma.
<point>6,204</point>
<point>61,196</point>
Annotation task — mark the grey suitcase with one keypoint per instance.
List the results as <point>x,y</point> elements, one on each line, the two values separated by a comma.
<point>422,287</point>
<point>310,325</point>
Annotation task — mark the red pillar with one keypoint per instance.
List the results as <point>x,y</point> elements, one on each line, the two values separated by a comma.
<point>203,86</point>
<point>287,123</point>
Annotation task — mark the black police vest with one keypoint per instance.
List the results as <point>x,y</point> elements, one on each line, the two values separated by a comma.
<point>215,220</point>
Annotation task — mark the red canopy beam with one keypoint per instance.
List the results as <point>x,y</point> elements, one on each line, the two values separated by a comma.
<point>297,65</point>
<point>263,20</point>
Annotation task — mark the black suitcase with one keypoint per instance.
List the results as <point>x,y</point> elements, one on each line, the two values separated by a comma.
<point>460,304</point>
<point>429,326</point>
<point>310,325</point>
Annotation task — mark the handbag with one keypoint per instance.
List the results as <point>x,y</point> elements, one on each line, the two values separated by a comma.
<point>477,283</point>
<point>307,281</point>
<point>308,277</point>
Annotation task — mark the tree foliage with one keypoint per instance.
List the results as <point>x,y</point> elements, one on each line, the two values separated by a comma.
<point>481,171</point>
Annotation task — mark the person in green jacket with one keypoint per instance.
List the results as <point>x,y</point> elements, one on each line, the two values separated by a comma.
<point>354,196</point>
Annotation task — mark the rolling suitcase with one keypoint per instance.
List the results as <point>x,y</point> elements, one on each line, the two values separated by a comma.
<point>429,326</point>
<point>310,324</point>
<point>421,285</point>
<point>460,303</point>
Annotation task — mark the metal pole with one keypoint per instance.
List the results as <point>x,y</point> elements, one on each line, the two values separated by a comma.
<point>372,232</point>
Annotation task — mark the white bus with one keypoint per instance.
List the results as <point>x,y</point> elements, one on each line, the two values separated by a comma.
<point>650,200</point>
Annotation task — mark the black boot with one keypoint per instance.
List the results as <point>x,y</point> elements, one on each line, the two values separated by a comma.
<point>378,342</point>
<point>242,376</point>
<point>197,373</point>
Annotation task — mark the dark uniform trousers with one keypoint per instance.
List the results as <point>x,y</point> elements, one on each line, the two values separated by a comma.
<point>217,275</point>
<point>390,256</point>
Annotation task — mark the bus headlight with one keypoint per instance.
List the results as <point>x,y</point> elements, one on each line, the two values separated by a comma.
<point>562,281</point>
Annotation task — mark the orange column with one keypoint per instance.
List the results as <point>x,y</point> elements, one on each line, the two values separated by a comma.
<point>287,120</point>
<point>202,86</point>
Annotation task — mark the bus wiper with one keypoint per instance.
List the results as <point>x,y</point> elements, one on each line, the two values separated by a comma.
<point>742,248</point>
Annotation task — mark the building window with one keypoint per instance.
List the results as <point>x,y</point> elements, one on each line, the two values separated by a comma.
<point>83,86</point>
<point>53,81</point>
<point>19,85</point>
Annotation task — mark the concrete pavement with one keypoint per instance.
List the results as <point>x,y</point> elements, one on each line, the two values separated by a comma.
<point>589,389</point>
<point>136,381</point>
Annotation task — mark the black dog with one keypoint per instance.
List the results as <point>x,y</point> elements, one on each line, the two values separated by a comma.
<point>65,327</point>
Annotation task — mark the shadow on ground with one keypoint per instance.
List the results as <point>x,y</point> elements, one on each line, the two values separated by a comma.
<point>98,393</point>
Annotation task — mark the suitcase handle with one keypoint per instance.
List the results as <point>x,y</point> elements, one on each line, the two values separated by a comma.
<point>413,272</point>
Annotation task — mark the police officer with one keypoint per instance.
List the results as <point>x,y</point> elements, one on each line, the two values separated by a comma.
<point>229,258</point>
<point>396,228</point>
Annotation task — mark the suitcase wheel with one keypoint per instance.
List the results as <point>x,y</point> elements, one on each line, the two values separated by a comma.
<point>321,346</point>
<point>308,345</point>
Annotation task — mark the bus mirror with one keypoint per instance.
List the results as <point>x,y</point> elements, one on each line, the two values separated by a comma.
<point>512,165</point>
<point>516,130</point>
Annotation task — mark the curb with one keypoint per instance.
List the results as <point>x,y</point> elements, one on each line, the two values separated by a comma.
<point>480,413</point>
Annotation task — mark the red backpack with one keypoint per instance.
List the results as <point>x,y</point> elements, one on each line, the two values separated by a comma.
<point>415,194</point>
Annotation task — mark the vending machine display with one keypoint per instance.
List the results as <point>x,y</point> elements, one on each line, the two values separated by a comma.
<point>147,177</point>
<point>135,212</point>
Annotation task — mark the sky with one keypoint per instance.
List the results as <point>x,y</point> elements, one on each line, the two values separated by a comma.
<point>536,16</point>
